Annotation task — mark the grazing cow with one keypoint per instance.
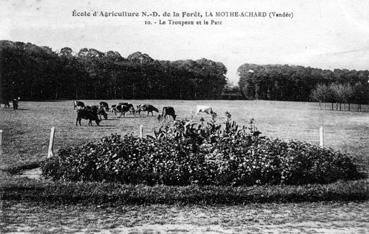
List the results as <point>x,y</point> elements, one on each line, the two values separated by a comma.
<point>78,105</point>
<point>5,102</point>
<point>114,107</point>
<point>138,108</point>
<point>123,108</point>
<point>204,109</point>
<point>92,108</point>
<point>87,113</point>
<point>15,103</point>
<point>167,111</point>
<point>147,107</point>
<point>99,111</point>
<point>104,105</point>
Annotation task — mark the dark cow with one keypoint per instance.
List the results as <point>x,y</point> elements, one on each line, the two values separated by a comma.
<point>15,103</point>
<point>78,105</point>
<point>167,111</point>
<point>114,107</point>
<point>147,107</point>
<point>87,113</point>
<point>99,111</point>
<point>104,105</point>
<point>123,108</point>
<point>92,108</point>
<point>5,102</point>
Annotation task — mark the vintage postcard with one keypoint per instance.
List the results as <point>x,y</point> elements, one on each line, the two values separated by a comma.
<point>184,116</point>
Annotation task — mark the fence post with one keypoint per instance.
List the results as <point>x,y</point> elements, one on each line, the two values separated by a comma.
<point>1,143</point>
<point>50,152</point>
<point>141,131</point>
<point>321,136</point>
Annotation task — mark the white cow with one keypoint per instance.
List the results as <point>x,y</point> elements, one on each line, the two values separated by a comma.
<point>204,109</point>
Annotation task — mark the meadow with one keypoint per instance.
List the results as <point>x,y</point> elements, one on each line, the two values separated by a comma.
<point>26,131</point>
<point>319,217</point>
<point>145,209</point>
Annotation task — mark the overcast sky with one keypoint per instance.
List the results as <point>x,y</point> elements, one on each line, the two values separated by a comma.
<point>324,34</point>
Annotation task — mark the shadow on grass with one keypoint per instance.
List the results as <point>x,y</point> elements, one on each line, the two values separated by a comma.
<point>107,126</point>
<point>119,194</point>
<point>11,109</point>
<point>87,126</point>
<point>21,167</point>
<point>128,117</point>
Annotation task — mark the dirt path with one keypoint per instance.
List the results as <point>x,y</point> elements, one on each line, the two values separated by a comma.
<point>255,218</point>
<point>32,174</point>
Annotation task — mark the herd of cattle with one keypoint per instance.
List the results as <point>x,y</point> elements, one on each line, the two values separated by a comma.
<point>6,102</point>
<point>98,112</point>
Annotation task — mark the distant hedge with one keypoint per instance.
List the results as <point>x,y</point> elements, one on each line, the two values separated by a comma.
<point>295,83</point>
<point>205,153</point>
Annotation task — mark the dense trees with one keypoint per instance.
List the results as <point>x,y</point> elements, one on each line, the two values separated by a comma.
<point>231,92</point>
<point>339,94</point>
<point>295,83</point>
<point>38,73</point>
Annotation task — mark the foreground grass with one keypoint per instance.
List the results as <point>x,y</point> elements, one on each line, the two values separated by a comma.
<point>15,169</point>
<point>117,194</point>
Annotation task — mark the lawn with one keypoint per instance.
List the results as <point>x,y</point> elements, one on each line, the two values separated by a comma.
<point>27,130</point>
<point>98,207</point>
<point>316,217</point>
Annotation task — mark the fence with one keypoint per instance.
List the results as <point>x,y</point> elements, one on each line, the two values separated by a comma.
<point>50,152</point>
<point>344,107</point>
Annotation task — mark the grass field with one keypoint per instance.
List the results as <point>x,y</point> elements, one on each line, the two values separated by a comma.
<point>26,136</point>
<point>318,217</point>
<point>27,130</point>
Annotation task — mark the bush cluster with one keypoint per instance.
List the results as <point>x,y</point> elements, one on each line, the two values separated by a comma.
<point>205,153</point>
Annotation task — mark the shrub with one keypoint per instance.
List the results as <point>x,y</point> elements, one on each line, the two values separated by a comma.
<point>205,153</point>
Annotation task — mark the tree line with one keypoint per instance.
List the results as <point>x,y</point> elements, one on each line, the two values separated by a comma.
<point>296,83</point>
<point>338,94</point>
<point>39,73</point>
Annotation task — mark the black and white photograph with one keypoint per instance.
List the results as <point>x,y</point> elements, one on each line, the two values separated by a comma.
<point>184,116</point>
